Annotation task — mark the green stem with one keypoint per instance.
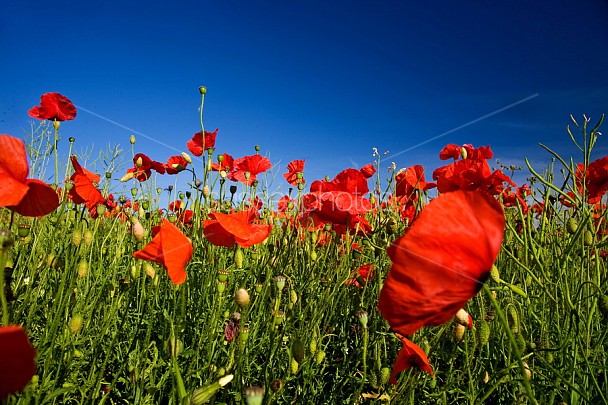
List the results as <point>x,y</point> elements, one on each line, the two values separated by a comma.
<point>511,337</point>
<point>3,260</point>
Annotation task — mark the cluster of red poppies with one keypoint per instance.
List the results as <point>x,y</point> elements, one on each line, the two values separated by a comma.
<point>437,266</point>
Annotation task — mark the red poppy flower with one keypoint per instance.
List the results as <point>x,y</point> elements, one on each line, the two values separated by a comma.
<point>170,248</point>
<point>83,191</point>
<point>53,106</point>
<point>294,167</point>
<point>362,276</point>
<point>175,164</point>
<point>226,164</point>
<point>596,179</point>
<point>442,261</point>
<point>228,229</point>
<point>284,203</point>
<point>410,180</point>
<point>143,166</point>
<point>28,197</point>
<point>470,174</point>
<point>200,143</point>
<point>17,365</point>
<point>368,170</point>
<point>349,180</point>
<point>253,165</point>
<point>410,355</point>
<point>455,152</point>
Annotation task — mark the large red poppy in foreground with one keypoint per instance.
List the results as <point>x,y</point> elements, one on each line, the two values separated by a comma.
<point>442,261</point>
<point>28,197</point>
<point>170,248</point>
<point>17,366</point>
<point>53,106</point>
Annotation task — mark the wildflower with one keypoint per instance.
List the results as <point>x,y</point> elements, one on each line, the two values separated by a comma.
<point>200,143</point>
<point>247,168</point>
<point>17,360</point>
<point>142,168</point>
<point>55,107</point>
<point>170,248</point>
<point>84,192</point>
<point>225,162</point>
<point>175,164</point>
<point>368,170</point>
<point>362,275</point>
<point>442,261</point>
<point>228,229</point>
<point>294,174</point>
<point>596,179</point>
<point>411,180</point>
<point>28,197</point>
<point>410,355</point>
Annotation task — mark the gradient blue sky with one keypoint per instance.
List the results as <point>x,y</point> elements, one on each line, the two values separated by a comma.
<point>324,81</point>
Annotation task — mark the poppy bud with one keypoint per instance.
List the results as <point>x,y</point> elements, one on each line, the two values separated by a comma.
<point>76,238</point>
<point>137,229</point>
<point>132,139</point>
<point>320,357</point>
<point>495,274</point>
<point>187,157</point>
<point>312,346</point>
<point>203,395</point>
<point>513,319</point>
<point>521,342</point>
<point>293,297</point>
<point>128,176</point>
<point>459,331</point>
<point>463,318</point>
<point>254,395</point>
<point>87,237</point>
<point>202,90</point>
<point>385,374</point>
<point>82,268</point>
<point>149,270</point>
<point>483,332</point>
<point>75,323</point>
<point>206,192</point>
<point>293,366</point>
<point>241,297</point>
<point>571,226</point>
<point>527,371</point>
<point>238,258</point>
<point>486,377</point>
<point>588,241</point>
<point>297,350</point>
<point>232,189</point>
<point>463,153</point>
<point>134,191</point>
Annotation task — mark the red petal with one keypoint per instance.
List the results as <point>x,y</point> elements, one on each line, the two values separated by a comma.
<point>410,355</point>
<point>17,365</point>
<point>442,261</point>
<point>40,199</point>
<point>216,234</point>
<point>13,170</point>
<point>171,248</point>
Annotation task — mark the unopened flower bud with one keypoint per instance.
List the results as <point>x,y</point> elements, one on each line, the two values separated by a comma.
<point>241,297</point>
<point>149,270</point>
<point>137,229</point>
<point>202,90</point>
<point>459,331</point>
<point>128,176</point>
<point>187,157</point>
<point>132,139</point>
<point>75,323</point>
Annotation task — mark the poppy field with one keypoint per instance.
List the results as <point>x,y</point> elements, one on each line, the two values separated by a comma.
<point>452,285</point>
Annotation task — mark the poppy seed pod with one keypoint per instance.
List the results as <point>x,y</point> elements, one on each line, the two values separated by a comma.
<point>279,282</point>
<point>202,90</point>
<point>254,395</point>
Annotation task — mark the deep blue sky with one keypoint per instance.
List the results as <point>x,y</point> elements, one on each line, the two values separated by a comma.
<point>321,80</point>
